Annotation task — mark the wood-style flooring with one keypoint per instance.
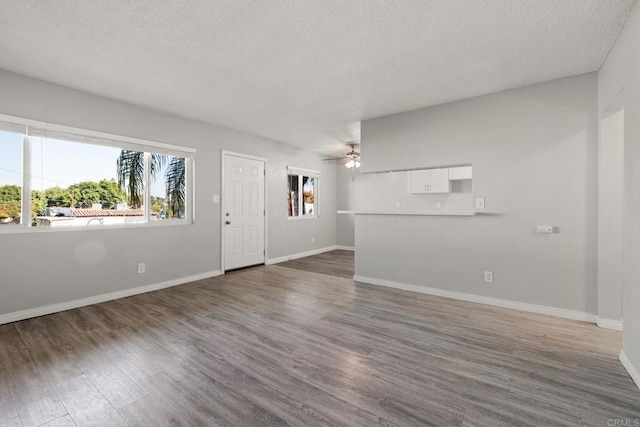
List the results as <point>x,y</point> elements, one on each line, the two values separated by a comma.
<point>334,263</point>
<point>278,345</point>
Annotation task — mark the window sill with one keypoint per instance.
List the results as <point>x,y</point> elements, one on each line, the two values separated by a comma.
<point>302,217</point>
<point>17,229</point>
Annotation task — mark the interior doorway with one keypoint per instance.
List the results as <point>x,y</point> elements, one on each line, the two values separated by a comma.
<point>610,218</point>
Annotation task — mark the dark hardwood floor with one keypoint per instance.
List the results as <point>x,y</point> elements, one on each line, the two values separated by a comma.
<point>278,345</point>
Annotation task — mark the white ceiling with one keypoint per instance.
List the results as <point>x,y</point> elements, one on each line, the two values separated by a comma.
<point>303,71</point>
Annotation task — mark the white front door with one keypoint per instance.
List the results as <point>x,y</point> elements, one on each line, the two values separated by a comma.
<point>243,211</point>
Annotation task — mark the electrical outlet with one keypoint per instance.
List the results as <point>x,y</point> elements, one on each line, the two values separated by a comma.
<point>488,276</point>
<point>480,203</point>
<point>313,240</point>
<point>438,205</point>
<point>215,198</point>
<point>398,204</point>
<point>142,267</point>
<point>544,229</point>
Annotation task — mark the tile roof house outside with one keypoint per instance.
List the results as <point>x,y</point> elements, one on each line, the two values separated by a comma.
<point>80,217</point>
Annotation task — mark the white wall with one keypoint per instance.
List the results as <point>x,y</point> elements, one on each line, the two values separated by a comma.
<point>534,157</point>
<point>621,74</point>
<point>45,268</point>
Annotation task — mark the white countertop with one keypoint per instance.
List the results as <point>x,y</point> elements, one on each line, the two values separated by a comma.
<point>414,213</point>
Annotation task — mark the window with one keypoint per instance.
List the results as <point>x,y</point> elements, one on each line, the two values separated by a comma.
<point>84,179</point>
<point>76,184</point>
<point>10,177</point>
<point>302,194</point>
<point>168,187</point>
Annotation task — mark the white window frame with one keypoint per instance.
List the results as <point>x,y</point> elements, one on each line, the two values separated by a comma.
<point>302,172</point>
<point>85,136</point>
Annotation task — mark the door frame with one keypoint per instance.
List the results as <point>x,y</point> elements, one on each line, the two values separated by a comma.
<point>223,154</point>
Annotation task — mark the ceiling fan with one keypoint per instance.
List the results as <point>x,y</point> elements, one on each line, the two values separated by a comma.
<point>352,158</point>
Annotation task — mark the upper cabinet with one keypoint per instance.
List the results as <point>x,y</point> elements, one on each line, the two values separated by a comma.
<point>437,181</point>
<point>429,181</point>
<point>460,173</point>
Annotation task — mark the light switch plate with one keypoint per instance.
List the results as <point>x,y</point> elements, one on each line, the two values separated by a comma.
<point>479,202</point>
<point>215,198</point>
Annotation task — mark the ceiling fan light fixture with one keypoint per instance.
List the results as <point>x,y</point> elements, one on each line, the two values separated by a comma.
<point>352,164</point>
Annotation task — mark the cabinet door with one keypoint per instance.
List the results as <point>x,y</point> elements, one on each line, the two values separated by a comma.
<point>439,181</point>
<point>418,181</point>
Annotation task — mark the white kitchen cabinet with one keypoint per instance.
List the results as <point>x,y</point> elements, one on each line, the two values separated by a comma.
<point>429,181</point>
<point>418,181</point>
<point>460,173</point>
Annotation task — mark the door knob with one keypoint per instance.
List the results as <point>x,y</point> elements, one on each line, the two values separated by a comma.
<point>228,222</point>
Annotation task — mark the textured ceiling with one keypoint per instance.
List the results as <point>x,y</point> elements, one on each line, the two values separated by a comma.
<point>303,71</point>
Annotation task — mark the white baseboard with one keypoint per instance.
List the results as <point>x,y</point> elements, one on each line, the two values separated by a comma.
<point>633,371</point>
<point>301,255</point>
<point>515,305</point>
<point>345,248</point>
<point>616,325</point>
<point>55,308</point>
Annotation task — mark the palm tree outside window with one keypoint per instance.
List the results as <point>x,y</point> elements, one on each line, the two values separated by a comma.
<point>168,182</point>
